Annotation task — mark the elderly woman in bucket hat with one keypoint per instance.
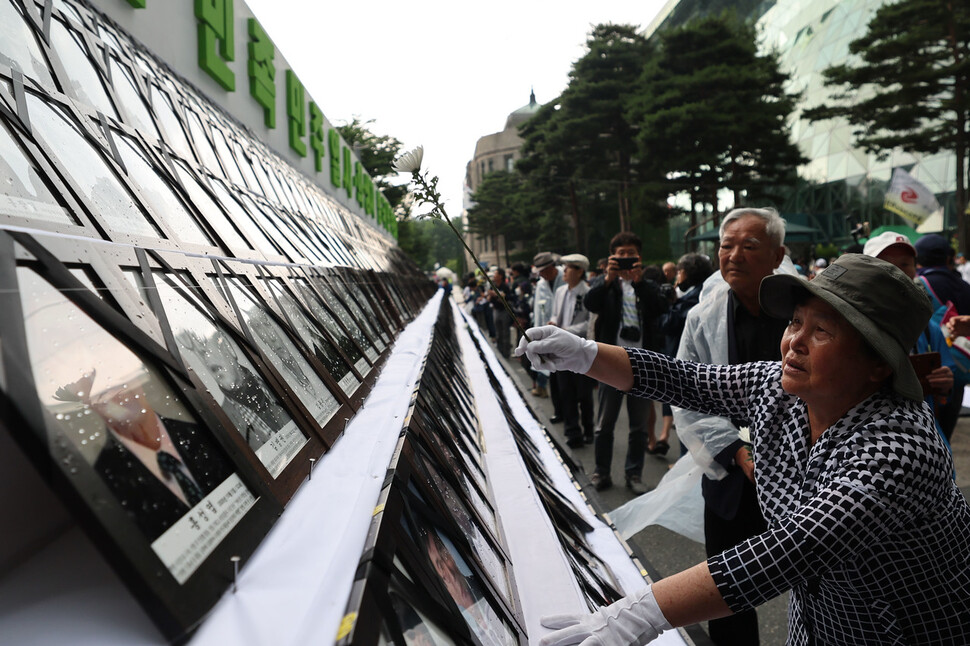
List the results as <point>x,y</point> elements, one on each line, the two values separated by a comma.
<point>865,525</point>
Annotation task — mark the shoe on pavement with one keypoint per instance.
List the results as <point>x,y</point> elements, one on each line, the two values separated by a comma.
<point>601,482</point>
<point>556,419</point>
<point>539,391</point>
<point>634,484</point>
<point>575,443</point>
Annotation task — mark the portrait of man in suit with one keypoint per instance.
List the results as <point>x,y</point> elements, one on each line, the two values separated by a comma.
<point>157,467</point>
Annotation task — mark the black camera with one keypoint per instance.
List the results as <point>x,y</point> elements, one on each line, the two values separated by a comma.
<point>630,333</point>
<point>626,262</point>
<point>667,292</point>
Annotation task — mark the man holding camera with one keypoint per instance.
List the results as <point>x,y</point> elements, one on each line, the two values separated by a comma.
<point>627,305</point>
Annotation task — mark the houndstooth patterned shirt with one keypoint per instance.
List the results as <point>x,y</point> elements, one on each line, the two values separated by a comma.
<point>865,527</point>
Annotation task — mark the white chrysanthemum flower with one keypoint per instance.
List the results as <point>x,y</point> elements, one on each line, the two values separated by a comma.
<point>745,434</point>
<point>410,162</point>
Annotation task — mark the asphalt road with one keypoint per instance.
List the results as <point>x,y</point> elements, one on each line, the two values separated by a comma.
<point>666,552</point>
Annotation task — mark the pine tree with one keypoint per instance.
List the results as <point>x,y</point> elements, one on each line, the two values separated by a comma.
<point>712,114</point>
<point>498,211</point>
<point>579,149</point>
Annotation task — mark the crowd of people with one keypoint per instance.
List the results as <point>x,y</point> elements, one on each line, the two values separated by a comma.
<point>818,401</point>
<point>617,300</point>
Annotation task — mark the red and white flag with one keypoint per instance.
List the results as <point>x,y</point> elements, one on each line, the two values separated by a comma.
<point>910,198</point>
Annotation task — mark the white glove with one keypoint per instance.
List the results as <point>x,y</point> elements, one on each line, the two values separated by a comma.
<point>553,348</point>
<point>635,619</point>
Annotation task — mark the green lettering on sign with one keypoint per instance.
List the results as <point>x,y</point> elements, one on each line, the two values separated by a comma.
<point>137,4</point>
<point>262,72</point>
<point>348,178</point>
<point>364,189</point>
<point>358,184</point>
<point>368,186</point>
<point>333,143</point>
<point>296,113</point>
<point>216,28</point>
<point>383,210</point>
<point>316,136</point>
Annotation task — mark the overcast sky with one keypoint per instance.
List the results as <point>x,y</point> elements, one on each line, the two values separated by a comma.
<point>437,73</point>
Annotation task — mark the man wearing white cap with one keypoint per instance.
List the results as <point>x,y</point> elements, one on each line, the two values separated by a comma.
<point>569,313</point>
<point>896,249</point>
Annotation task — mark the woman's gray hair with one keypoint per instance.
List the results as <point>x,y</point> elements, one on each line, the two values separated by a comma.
<point>774,224</point>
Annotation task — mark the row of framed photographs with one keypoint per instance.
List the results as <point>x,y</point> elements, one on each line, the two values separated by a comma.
<point>435,568</point>
<point>175,401</point>
<point>100,139</point>
<point>595,577</point>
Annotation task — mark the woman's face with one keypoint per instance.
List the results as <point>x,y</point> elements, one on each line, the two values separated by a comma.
<point>824,362</point>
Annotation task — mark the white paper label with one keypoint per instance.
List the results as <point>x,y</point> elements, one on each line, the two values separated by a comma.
<point>187,543</point>
<point>280,448</point>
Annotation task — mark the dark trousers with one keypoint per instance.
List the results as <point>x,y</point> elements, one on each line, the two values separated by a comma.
<point>638,410</point>
<point>503,331</point>
<point>740,629</point>
<point>554,394</point>
<point>576,395</point>
<point>948,413</point>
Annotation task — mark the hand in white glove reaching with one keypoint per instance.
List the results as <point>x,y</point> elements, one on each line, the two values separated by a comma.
<point>552,348</point>
<point>633,620</point>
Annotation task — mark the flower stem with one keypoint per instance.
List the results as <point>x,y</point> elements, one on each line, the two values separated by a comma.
<point>432,197</point>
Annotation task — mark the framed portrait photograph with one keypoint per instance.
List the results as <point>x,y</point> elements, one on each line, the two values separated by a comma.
<point>390,608</point>
<point>435,498</point>
<point>361,360</point>
<point>229,374</point>
<point>444,576</point>
<point>316,337</point>
<point>333,289</point>
<point>372,346</point>
<point>114,426</point>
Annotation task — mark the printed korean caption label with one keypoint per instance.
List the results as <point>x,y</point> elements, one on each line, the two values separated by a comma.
<point>192,539</point>
<point>280,448</point>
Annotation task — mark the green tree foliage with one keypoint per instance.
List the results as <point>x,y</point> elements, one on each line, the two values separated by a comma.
<point>544,194</point>
<point>446,248</point>
<point>578,157</point>
<point>430,242</point>
<point>377,154</point>
<point>711,114</point>
<point>413,237</point>
<point>501,209</point>
<point>425,242</point>
<point>909,85</point>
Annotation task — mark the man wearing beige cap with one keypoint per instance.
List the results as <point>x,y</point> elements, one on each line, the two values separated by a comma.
<point>569,313</point>
<point>894,248</point>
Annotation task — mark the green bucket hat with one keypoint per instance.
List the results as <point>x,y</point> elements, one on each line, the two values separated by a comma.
<point>887,308</point>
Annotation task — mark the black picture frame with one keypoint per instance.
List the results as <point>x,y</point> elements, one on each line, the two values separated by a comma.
<point>175,555</point>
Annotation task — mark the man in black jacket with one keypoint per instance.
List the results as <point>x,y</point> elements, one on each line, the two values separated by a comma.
<point>627,305</point>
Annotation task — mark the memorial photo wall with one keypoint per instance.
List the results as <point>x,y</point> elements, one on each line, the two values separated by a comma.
<point>187,323</point>
<point>597,582</point>
<point>435,568</point>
